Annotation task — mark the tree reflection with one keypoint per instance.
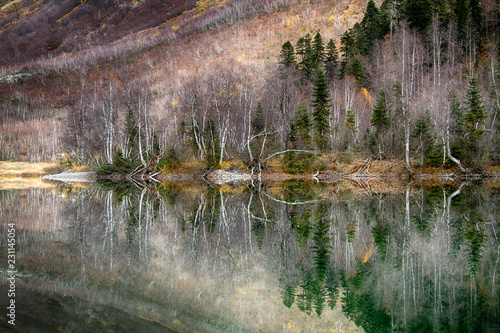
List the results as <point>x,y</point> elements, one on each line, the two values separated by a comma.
<point>424,259</point>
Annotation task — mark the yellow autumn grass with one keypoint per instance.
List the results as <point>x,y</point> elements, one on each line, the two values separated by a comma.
<point>27,169</point>
<point>24,175</point>
<point>22,183</point>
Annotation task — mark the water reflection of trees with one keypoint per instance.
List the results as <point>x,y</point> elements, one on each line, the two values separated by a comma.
<point>402,262</point>
<point>426,260</point>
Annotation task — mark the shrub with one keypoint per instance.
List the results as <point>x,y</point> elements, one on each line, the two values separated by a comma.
<point>169,161</point>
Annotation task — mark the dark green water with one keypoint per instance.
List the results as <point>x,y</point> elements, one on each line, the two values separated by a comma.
<point>298,257</point>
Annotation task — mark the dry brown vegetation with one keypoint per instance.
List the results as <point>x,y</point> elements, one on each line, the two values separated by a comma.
<point>150,57</point>
<point>35,128</point>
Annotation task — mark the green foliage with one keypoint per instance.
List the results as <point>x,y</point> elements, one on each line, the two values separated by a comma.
<point>298,162</point>
<point>287,55</point>
<point>350,121</point>
<point>475,115</point>
<point>462,15</point>
<point>358,303</point>
<point>120,166</point>
<point>331,60</point>
<point>318,51</point>
<point>356,70</point>
<point>427,149</point>
<point>304,50</point>
<point>259,120</point>
<point>213,151</point>
<point>321,111</point>
<point>372,29</point>
<point>380,115</point>
<point>300,129</point>
<point>261,138</point>
<point>170,160</point>
<point>474,119</point>
<point>419,14</point>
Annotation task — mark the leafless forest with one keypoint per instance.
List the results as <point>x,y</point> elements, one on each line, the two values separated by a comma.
<point>192,81</point>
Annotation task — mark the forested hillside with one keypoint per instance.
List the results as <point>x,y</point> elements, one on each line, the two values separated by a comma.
<point>247,82</point>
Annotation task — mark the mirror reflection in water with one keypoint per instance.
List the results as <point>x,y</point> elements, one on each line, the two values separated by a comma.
<point>289,256</point>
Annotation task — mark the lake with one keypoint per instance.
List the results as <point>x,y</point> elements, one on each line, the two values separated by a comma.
<point>294,256</point>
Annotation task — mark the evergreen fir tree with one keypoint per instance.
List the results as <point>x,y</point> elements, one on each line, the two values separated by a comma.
<point>300,129</point>
<point>259,120</point>
<point>474,118</point>
<point>318,53</point>
<point>419,14</point>
<point>422,133</point>
<point>304,49</point>
<point>351,128</point>
<point>302,45</point>
<point>299,138</point>
<point>321,110</point>
<point>356,70</point>
<point>331,60</point>
<point>287,55</point>
<point>380,120</point>
<point>348,48</point>
<point>476,21</point>
<point>380,115</point>
<point>476,114</point>
<point>350,121</point>
<point>462,14</point>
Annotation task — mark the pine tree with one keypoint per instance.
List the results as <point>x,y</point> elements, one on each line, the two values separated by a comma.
<point>304,49</point>
<point>287,55</point>
<point>348,48</point>
<point>299,138</point>
<point>356,70</point>
<point>331,60</point>
<point>474,118</point>
<point>419,14</point>
<point>318,52</point>
<point>380,120</point>
<point>462,14</point>
<point>350,121</point>
<point>259,120</point>
<point>380,115</point>
<point>422,132</point>
<point>476,21</point>
<point>321,110</point>
<point>261,139</point>
<point>371,29</point>
<point>300,129</point>
<point>475,114</point>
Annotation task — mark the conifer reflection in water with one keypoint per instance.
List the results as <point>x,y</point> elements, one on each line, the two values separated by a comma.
<point>232,259</point>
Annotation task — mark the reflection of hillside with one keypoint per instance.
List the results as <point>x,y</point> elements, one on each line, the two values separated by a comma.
<point>212,259</point>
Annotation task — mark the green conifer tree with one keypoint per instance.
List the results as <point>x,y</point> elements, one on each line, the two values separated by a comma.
<point>356,70</point>
<point>380,120</point>
<point>287,55</point>
<point>462,15</point>
<point>474,119</point>
<point>299,138</point>
<point>331,60</point>
<point>321,110</point>
<point>350,121</point>
<point>475,115</point>
<point>318,52</point>
<point>419,13</point>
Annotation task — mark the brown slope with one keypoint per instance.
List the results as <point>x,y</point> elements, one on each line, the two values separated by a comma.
<point>33,28</point>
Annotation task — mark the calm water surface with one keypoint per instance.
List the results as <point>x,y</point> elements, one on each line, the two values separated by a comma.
<point>294,257</point>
